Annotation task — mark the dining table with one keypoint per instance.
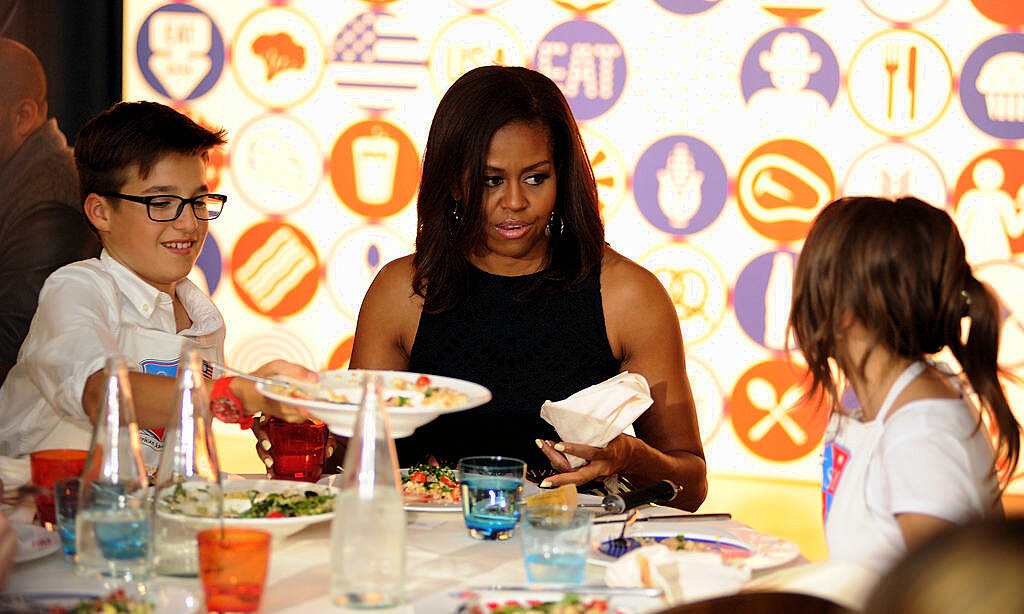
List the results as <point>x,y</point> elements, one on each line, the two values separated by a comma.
<point>444,566</point>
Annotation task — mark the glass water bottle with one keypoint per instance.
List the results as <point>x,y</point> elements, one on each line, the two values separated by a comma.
<point>188,477</point>
<point>368,530</point>
<point>112,525</point>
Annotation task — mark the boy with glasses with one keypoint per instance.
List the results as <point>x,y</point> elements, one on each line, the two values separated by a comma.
<point>142,174</point>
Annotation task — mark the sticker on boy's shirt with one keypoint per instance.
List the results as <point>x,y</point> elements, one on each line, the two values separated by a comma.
<point>154,438</point>
<point>833,461</point>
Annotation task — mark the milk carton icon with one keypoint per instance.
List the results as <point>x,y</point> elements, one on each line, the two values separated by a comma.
<point>375,158</point>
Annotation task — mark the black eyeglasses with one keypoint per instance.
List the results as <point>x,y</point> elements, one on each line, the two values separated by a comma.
<point>167,207</point>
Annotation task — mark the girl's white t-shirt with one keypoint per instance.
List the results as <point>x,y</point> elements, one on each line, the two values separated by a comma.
<point>930,457</point>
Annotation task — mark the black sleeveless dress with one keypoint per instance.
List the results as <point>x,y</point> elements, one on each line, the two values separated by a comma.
<point>525,353</point>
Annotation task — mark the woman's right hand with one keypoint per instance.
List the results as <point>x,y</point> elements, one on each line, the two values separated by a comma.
<point>334,453</point>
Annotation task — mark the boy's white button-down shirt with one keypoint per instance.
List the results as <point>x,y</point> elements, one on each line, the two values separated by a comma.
<point>88,311</point>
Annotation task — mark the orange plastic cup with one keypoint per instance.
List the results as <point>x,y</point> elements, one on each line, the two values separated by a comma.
<point>48,466</point>
<point>233,568</point>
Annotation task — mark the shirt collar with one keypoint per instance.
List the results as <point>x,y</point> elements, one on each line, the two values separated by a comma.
<point>205,316</point>
<point>141,294</point>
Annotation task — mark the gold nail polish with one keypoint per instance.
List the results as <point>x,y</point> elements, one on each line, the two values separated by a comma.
<point>560,447</point>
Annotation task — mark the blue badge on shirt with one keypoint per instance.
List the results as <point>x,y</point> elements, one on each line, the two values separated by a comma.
<point>834,460</point>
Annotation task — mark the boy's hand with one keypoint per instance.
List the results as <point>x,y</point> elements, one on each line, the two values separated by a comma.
<point>254,402</point>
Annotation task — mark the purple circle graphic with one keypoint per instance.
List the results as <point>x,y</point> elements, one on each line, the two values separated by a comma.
<point>680,185</point>
<point>187,75</point>
<point>211,263</point>
<point>687,7</point>
<point>992,86</point>
<point>784,55</point>
<point>762,296</point>
<point>588,64</point>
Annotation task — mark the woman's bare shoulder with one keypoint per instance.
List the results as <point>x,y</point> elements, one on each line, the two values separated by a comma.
<point>623,280</point>
<point>391,294</point>
<point>394,280</point>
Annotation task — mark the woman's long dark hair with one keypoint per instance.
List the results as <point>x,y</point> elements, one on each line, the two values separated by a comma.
<point>899,268</point>
<point>476,106</point>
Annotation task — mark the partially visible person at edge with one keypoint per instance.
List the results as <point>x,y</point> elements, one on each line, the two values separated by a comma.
<point>881,286</point>
<point>512,286</point>
<point>8,546</point>
<point>41,223</point>
<point>142,167</point>
<point>975,568</point>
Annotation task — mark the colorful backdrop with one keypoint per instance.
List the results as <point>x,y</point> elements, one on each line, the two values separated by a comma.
<point>716,130</point>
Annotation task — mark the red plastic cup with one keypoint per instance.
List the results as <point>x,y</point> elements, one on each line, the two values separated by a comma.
<point>233,568</point>
<point>48,466</point>
<point>297,449</point>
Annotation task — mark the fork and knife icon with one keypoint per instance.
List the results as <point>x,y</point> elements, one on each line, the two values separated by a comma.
<point>893,54</point>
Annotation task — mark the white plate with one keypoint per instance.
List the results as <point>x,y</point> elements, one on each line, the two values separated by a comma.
<point>277,527</point>
<point>166,599</point>
<point>340,417</point>
<point>335,481</point>
<point>766,551</point>
<point>34,542</point>
<point>463,602</point>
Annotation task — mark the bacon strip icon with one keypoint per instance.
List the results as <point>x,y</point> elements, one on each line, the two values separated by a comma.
<point>276,268</point>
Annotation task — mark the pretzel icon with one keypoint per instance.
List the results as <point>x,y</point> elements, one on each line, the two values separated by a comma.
<point>762,395</point>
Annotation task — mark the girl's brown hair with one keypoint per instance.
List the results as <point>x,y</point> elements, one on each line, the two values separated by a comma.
<point>476,106</point>
<point>898,267</point>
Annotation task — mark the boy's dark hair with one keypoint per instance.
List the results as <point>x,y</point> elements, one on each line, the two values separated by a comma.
<point>134,134</point>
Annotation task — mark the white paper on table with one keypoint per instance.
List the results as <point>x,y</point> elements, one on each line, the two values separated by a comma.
<point>844,582</point>
<point>684,576</point>
<point>596,415</point>
<point>15,472</point>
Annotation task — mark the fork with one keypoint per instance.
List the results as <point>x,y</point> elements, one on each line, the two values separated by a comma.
<point>620,545</point>
<point>892,62</point>
<point>214,365</point>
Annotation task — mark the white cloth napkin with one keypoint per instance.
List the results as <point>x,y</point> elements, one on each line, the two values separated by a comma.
<point>596,415</point>
<point>684,576</point>
<point>15,472</point>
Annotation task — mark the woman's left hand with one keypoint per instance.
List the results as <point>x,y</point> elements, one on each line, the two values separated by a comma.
<point>601,462</point>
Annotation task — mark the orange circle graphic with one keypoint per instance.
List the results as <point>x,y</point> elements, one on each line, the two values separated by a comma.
<point>781,187</point>
<point>275,269</point>
<point>1012,163</point>
<point>341,354</point>
<point>770,416</point>
<point>374,168</point>
<point>1001,11</point>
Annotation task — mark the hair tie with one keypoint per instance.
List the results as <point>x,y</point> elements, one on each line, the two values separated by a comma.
<point>967,298</point>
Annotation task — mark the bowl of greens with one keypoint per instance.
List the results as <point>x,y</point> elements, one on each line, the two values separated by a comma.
<point>280,507</point>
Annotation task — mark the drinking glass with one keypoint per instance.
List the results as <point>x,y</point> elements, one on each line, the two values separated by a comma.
<point>233,567</point>
<point>297,449</point>
<point>188,464</point>
<point>65,494</point>
<point>491,487</point>
<point>556,541</point>
<point>112,524</point>
<point>48,466</point>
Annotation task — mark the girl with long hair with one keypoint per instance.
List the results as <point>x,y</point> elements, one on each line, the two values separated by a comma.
<point>881,286</point>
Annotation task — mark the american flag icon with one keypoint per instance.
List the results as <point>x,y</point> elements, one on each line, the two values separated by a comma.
<point>372,51</point>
